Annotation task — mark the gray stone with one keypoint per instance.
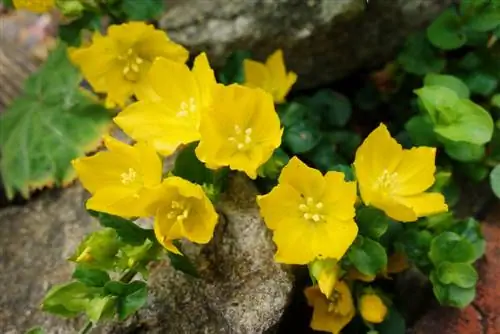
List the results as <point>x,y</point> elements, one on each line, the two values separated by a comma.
<point>322,40</point>
<point>35,241</point>
<point>241,289</point>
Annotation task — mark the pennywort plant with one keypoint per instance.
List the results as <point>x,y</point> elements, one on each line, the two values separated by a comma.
<point>354,211</point>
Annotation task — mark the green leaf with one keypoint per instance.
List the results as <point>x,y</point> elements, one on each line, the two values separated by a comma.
<point>451,294</point>
<point>233,71</point>
<point>325,156</point>
<point>419,57</point>
<point>465,152</point>
<point>495,100</point>
<point>481,83</point>
<point>131,296</point>
<point>415,244</point>
<point>448,81</point>
<point>470,7</point>
<point>368,256</point>
<point>446,32</point>
<point>461,274</point>
<point>272,168</point>
<point>438,102</point>
<point>90,276</point>
<point>470,229</point>
<point>451,247</point>
<point>68,299</point>
<point>394,323</point>
<point>346,142</point>
<point>182,262</point>
<point>302,137</point>
<point>71,33</point>
<point>348,171</point>
<point>127,230</point>
<point>421,131</point>
<point>100,308</point>
<point>190,168</point>
<point>98,250</point>
<point>474,171</point>
<point>334,107</point>
<point>487,20</point>
<point>35,330</point>
<point>292,113</point>
<point>142,10</point>
<point>52,123</point>
<point>372,222</point>
<point>495,180</point>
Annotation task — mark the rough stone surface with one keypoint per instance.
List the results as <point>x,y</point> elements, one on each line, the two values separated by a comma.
<point>483,316</point>
<point>241,289</point>
<point>322,40</point>
<point>35,241</point>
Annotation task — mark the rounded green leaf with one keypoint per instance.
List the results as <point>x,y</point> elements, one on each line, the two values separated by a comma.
<point>335,107</point>
<point>446,32</point>
<point>470,229</point>
<point>394,323</point>
<point>465,152</point>
<point>292,113</point>
<point>419,57</point>
<point>302,137</point>
<point>486,20</point>
<point>451,294</point>
<point>438,102</point>
<point>368,256</point>
<point>421,131</point>
<point>415,244</point>
<point>91,276</point>
<point>495,100</point>
<point>451,247</point>
<point>448,81</point>
<point>481,83</point>
<point>372,222</point>
<point>460,274</point>
<point>495,180</point>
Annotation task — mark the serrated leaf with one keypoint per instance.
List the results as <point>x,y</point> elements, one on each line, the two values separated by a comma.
<point>446,32</point>
<point>52,123</point>
<point>451,247</point>
<point>91,276</point>
<point>462,275</point>
<point>142,10</point>
<point>368,256</point>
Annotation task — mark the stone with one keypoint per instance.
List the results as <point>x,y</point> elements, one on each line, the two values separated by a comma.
<point>36,240</point>
<point>483,315</point>
<point>323,40</point>
<point>240,290</point>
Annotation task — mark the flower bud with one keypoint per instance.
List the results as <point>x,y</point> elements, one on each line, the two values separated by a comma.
<point>372,308</point>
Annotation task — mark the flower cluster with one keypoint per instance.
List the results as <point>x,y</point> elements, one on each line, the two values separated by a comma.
<point>313,216</point>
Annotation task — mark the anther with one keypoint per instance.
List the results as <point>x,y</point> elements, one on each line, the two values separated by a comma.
<point>303,207</point>
<point>319,205</point>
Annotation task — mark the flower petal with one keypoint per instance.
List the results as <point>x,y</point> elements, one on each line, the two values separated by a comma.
<point>305,180</point>
<point>278,205</point>
<point>339,197</point>
<point>333,238</point>
<point>119,201</point>
<point>416,170</point>
<point>256,74</point>
<point>294,243</point>
<point>395,209</point>
<point>425,204</point>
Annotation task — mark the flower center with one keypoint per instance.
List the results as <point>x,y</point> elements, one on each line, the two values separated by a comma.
<point>386,182</point>
<point>132,65</point>
<point>187,108</point>
<point>129,176</point>
<point>312,210</point>
<point>241,139</point>
<point>178,211</point>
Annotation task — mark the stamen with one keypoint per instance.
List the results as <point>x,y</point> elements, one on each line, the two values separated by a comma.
<point>319,205</point>
<point>303,207</point>
<point>316,218</point>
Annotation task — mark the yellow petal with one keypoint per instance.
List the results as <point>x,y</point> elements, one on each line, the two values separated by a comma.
<point>333,238</point>
<point>282,202</point>
<point>205,79</point>
<point>425,204</point>
<point>395,209</point>
<point>256,75</point>
<point>151,163</point>
<point>339,196</point>
<point>328,279</point>
<point>416,170</point>
<point>119,201</point>
<point>161,235</point>
<point>295,243</point>
<point>155,43</point>
<point>305,180</point>
<point>378,153</point>
<point>199,226</point>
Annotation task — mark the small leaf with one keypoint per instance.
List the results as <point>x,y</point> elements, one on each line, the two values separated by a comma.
<point>495,180</point>
<point>486,20</point>
<point>190,168</point>
<point>233,71</point>
<point>470,229</point>
<point>68,299</point>
<point>481,83</point>
<point>465,152</point>
<point>372,222</point>
<point>35,330</point>
<point>451,247</point>
<point>71,33</point>
<point>90,276</point>
<point>346,142</point>
<point>394,323</point>
<point>448,81</point>
<point>302,137</point>
<point>292,113</point>
<point>100,308</point>
<point>131,296</point>
<point>495,100</point>
<point>461,274</point>
<point>368,256</point>
<point>127,230</point>
<point>474,171</point>
<point>182,262</point>
<point>421,131</point>
<point>334,107</point>
<point>419,57</point>
<point>325,156</point>
<point>272,168</point>
<point>446,32</point>
<point>415,244</point>
<point>451,295</point>
<point>142,10</point>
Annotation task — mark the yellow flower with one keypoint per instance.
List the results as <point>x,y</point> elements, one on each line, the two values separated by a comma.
<point>394,179</point>
<point>331,314</point>
<point>241,130</point>
<point>271,76</point>
<point>119,179</point>
<point>117,63</point>
<point>173,117</point>
<point>182,210</point>
<point>37,6</point>
<point>372,308</point>
<point>311,214</point>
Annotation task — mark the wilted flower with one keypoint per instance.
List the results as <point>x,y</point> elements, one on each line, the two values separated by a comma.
<point>118,63</point>
<point>119,179</point>
<point>312,215</point>
<point>271,76</point>
<point>241,130</point>
<point>395,180</point>
<point>173,117</point>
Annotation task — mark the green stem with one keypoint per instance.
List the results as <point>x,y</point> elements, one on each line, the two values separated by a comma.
<point>125,278</point>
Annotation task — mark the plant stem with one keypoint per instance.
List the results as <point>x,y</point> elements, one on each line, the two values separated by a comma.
<point>125,278</point>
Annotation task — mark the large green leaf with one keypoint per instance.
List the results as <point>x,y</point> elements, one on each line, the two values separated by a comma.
<point>448,81</point>
<point>447,32</point>
<point>368,256</point>
<point>52,123</point>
